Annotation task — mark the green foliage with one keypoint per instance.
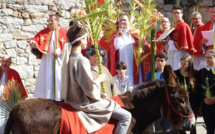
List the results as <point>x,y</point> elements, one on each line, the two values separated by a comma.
<point>207,87</point>
<point>94,19</point>
<point>153,49</point>
<point>11,96</point>
<point>145,18</point>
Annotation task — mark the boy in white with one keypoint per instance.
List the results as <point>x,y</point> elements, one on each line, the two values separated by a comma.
<point>122,81</point>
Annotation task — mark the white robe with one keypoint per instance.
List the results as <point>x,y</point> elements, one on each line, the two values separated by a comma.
<point>45,86</point>
<point>2,120</point>
<point>125,45</point>
<point>174,55</point>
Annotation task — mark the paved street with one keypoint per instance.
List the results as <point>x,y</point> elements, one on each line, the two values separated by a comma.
<point>200,126</point>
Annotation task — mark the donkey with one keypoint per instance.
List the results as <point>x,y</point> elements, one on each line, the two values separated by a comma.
<point>147,103</point>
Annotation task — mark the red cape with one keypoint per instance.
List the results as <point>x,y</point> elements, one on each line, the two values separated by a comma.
<point>182,37</point>
<point>72,124</point>
<point>113,57</point>
<point>197,40</point>
<point>160,47</point>
<point>12,75</point>
<point>43,38</point>
<point>209,26</point>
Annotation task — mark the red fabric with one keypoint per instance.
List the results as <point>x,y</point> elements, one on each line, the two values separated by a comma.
<point>182,37</point>
<point>103,43</point>
<point>72,124</point>
<point>160,47</point>
<point>43,38</point>
<point>209,26</point>
<point>197,40</point>
<point>13,75</point>
<point>113,57</point>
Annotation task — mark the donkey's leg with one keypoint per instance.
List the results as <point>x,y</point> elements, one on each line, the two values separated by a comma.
<point>56,129</point>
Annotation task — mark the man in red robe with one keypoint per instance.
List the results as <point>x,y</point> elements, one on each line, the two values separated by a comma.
<point>181,42</point>
<point>198,56</point>
<point>121,48</point>
<point>8,75</point>
<point>210,25</point>
<point>162,45</point>
<point>50,41</point>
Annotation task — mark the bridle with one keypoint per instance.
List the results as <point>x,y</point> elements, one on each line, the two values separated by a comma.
<point>171,108</point>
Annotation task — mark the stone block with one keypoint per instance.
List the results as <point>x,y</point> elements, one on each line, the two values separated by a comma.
<point>40,21</point>
<point>5,37</point>
<point>6,12</point>
<point>11,21</point>
<point>205,3</point>
<point>35,9</point>
<point>64,23</point>
<point>32,28</point>
<point>33,60</point>
<point>168,8</point>
<point>37,15</point>
<point>27,22</point>
<point>22,44</point>
<point>21,61</point>
<point>25,15</point>
<point>18,34</point>
<point>11,44</point>
<point>16,7</point>
<point>11,52</point>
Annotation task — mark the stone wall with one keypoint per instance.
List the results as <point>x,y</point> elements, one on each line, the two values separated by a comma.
<point>22,19</point>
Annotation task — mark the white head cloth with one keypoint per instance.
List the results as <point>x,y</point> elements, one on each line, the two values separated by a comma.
<point>78,39</point>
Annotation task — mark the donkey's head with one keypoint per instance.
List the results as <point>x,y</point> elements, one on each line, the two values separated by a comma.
<point>178,109</point>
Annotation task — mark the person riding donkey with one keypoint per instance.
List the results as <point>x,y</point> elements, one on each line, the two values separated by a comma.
<point>83,93</point>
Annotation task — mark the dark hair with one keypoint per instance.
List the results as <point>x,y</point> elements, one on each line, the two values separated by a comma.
<point>211,6</point>
<point>120,65</point>
<point>177,7</point>
<point>74,33</point>
<point>56,16</point>
<point>91,51</point>
<point>162,55</point>
<point>124,14</point>
<point>74,23</point>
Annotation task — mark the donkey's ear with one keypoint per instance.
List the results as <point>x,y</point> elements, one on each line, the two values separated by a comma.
<point>169,76</point>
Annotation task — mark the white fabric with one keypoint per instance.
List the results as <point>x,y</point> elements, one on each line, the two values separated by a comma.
<point>123,85</point>
<point>174,58</point>
<point>2,121</point>
<point>78,39</point>
<point>45,86</point>
<point>124,120</point>
<point>125,45</point>
<point>197,61</point>
<point>172,46</point>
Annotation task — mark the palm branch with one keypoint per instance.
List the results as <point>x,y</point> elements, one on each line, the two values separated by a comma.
<point>145,19</point>
<point>207,87</point>
<point>95,18</point>
<point>153,49</point>
<point>10,97</point>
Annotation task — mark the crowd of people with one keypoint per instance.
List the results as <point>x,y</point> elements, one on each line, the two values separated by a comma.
<point>69,74</point>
